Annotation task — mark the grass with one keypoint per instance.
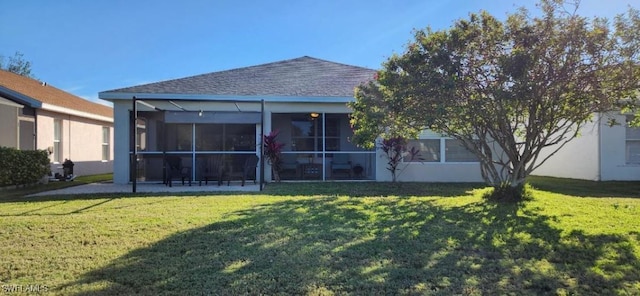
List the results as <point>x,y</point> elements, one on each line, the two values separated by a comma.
<point>329,238</point>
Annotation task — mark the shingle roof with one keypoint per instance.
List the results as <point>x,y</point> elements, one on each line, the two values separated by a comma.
<point>305,76</point>
<point>48,94</point>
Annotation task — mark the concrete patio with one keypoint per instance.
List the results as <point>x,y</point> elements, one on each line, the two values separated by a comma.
<point>98,188</point>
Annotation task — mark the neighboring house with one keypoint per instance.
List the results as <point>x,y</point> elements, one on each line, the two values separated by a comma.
<point>219,116</point>
<point>35,115</point>
<point>601,152</point>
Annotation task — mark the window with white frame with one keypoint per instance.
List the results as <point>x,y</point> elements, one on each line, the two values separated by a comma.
<point>429,150</point>
<point>440,150</point>
<point>632,149</point>
<point>456,152</point>
<point>105,143</point>
<point>57,140</point>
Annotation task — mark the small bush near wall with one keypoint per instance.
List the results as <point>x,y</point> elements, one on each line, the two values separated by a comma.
<point>21,167</point>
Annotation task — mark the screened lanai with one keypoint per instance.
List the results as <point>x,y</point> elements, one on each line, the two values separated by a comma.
<point>195,134</point>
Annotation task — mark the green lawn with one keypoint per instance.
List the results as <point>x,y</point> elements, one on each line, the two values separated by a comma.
<point>328,238</point>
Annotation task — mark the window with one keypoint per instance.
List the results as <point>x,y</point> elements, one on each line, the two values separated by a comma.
<point>455,152</point>
<point>141,133</point>
<point>306,133</point>
<point>225,137</point>
<point>429,150</point>
<point>440,150</point>
<point>105,143</point>
<point>632,149</point>
<point>179,137</point>
<point>57,140</point>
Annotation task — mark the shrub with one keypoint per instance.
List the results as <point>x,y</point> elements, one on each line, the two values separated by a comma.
<point>21,167</point>
<point>395,149</point>
<point>272,151</point>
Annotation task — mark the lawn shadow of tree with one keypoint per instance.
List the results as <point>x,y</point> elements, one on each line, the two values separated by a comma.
<point>376,189</point>
<point>576,187</point>
<point>374,246</point>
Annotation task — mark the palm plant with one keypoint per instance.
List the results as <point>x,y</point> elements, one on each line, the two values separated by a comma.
<point>272,152</point>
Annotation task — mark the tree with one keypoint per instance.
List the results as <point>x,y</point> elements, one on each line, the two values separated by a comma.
<point>507,89</point>
<point>16,64</point>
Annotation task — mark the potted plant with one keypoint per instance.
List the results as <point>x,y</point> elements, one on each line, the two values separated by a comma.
<point>272,152</point>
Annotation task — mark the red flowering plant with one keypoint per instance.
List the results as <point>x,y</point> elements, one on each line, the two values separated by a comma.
<point>395,149</point>
<point>273,151</point>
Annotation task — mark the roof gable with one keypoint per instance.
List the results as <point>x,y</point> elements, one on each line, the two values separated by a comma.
<point>301,77</point>
<point>21,87</point>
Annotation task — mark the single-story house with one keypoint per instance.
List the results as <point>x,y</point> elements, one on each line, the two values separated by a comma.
<point>222,115</point>
<point>601,153</point>
<point>36,115</point>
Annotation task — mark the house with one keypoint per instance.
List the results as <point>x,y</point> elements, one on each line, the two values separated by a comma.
<point>35,115</point>
<point>601,152</point>
<point>221,116</point>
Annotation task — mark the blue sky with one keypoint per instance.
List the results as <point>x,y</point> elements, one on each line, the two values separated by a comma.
<point>85,47</point>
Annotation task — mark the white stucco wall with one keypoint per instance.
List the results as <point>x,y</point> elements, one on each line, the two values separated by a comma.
<point>598,154</point>
<point>431,172</point>
<point>81,142</point>
<point>613,156</point>
<point>121,141</point>
<point>578,159</point>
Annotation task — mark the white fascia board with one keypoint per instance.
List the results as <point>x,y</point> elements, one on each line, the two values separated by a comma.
<point>112,96</point>
<point>64,110</point>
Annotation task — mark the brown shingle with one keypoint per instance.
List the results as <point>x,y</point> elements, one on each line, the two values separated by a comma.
<point>48,94</point>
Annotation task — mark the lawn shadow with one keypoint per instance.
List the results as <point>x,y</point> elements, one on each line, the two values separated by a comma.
<point>582,188</point>
<point>368,189</point>
<point>353,189</point>
<point>373,246</point>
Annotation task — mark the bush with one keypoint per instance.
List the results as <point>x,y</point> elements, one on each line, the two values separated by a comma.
<point>505,193</point>
<point>21,167</point>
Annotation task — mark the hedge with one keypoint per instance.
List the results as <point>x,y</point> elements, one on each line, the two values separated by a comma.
<point>21,167</point>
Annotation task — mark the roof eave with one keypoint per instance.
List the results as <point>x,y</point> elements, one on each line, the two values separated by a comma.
<point>119,96</point>
<point>20,98</point>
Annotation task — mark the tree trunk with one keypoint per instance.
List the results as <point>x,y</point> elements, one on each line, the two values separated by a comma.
<point>276,175</point>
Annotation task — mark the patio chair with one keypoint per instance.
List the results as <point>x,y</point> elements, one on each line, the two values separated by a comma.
<point>174,169</point>
<point>341,162</point>
<point>289,163</point>
<point>247,170</point>
<point>212,168</point>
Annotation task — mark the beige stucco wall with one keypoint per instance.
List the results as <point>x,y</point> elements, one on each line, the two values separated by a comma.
<point>9,124</point>
<point>81,142</point>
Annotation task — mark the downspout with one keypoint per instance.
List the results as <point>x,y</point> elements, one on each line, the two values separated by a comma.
<point>261,144</point>
<point>599,176</point>
<point>69,138</point>
<point>134,161</point>
<point>35,129</point>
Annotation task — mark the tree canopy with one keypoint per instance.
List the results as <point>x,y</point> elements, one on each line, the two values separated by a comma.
<point>505,89</point>
<point>16,64</point>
